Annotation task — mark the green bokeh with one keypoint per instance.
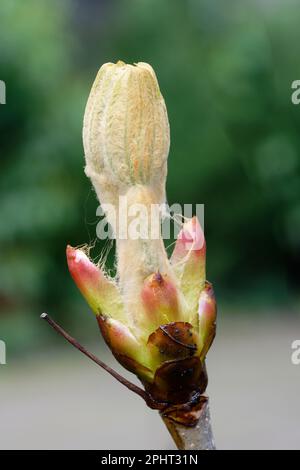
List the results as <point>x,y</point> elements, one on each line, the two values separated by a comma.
<point>225,70</point>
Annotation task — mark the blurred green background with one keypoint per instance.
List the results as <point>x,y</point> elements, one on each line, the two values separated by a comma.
<point>225,73</point>
<point>225,70</point>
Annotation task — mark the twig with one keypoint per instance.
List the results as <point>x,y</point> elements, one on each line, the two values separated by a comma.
<point>134,388</point>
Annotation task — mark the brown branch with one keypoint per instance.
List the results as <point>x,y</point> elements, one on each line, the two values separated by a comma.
<point>132,387</point>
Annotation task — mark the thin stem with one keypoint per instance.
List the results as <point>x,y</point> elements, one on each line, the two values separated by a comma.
<point>134,388</point>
